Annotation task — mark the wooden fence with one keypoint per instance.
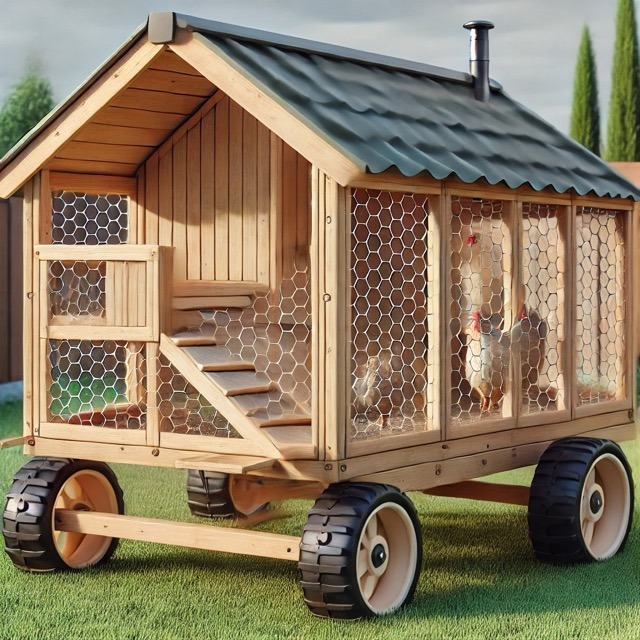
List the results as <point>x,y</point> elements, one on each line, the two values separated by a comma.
<point>10,289</point>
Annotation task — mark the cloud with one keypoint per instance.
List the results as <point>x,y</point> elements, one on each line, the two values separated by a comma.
<point>533,47</point>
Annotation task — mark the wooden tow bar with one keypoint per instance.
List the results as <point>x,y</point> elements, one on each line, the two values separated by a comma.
<point>181,534</point>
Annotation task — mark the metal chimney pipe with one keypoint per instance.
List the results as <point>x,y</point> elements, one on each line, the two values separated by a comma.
<point>479,57</point>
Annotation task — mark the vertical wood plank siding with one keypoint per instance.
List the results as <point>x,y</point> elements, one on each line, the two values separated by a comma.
<point>209,194</point>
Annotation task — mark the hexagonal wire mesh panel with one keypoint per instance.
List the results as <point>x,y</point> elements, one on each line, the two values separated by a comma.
<point>182,409</point>
<point>480,249</point>
<point>76,289</point>
<point>97,383</point>
<point>273,334</point>
<point>542,327</point>
<point>389,313</point>
<point>83,218</point>
<point>601,305</point>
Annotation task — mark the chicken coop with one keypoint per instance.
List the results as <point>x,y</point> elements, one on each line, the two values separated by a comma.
<point>298,270</point>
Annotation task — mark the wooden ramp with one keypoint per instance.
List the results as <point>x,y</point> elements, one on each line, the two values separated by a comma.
<point>241,394</point>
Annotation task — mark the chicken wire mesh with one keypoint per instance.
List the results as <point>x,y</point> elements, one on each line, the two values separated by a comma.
<point>542,337</point>
<point>480,337</point>
<point>601,305</point>
<point>389,313</point>
<point>101,384</point>
<point>89,219</point>
<point>76,289</point>
<point>182,409</point>
<point>274,335</point>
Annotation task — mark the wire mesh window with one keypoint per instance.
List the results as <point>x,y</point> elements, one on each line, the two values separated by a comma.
<point>601,305</point>
<point>481,308</point>
<point>101,383</point>
<point>182,409</point>
<point>89,219</point>
<point>389,314</point>
<point>542,331</point>
<point>76,289</point>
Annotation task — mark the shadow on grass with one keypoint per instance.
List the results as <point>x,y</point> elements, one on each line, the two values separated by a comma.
<point>476,563</point>
<point>482,563</point>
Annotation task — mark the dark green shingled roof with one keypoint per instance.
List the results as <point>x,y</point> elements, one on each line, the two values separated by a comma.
<point>385,113</point>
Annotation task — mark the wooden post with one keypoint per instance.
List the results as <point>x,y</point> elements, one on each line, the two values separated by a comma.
<point>512,298</point>
<point>317,336</point>
<point>437,373</point>
<point>446,352</point>
<point>565,276</point>
<point>572,299</point>
<point>337,318</point>
<point>28,309</point>
<point>34,326</point>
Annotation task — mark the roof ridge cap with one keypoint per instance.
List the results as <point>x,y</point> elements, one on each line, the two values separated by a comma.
<point>162,26</point>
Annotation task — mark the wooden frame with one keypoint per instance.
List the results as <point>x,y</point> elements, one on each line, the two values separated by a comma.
<point>330,259</point>
<point>128,268</point>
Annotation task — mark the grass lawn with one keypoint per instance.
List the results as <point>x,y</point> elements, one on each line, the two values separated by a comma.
<point>479,580</point>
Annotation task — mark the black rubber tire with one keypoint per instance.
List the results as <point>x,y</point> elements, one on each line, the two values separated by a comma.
<point>330,540</point>
<point>208,494</point>
<point>28,513</point>
<point>556,491</point>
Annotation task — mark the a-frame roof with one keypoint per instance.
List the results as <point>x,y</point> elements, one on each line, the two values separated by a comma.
<point>347,111</point>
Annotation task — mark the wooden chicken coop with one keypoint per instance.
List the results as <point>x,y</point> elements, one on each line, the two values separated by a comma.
<point>295,269</point>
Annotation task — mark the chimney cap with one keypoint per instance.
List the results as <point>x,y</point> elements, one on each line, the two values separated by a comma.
<point>478,24</point>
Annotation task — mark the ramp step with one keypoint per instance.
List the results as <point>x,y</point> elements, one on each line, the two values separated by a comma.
<point>252,402</point>
<point>263,420</point>
<point>211,358</point>
<point>234,383</point>
<point>195,337</point>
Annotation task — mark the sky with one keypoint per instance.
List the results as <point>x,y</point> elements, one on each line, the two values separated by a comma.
<point>533,47</point>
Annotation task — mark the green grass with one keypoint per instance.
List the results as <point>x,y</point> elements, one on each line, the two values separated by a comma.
<point>479,580</point>
<point>70,396</point>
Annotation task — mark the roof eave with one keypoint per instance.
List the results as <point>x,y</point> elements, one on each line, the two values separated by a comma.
<point>59,110</point>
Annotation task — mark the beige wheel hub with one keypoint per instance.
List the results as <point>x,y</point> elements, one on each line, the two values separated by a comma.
<point>605,506</point>
<point>386,558</point>
<point>86,490</point>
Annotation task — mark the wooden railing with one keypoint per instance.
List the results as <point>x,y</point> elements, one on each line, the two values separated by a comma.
<point>127,296</point>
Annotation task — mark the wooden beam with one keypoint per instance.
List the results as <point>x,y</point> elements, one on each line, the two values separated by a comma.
<point>200,54</point>
<point>83,253</point>
<point>434,474</point>
<point>88,183</point>
<point>7,443</point>
<point>226,463</point>
<point>406,450</point>
<point>485,491</point>
<point>62,129</point>
<point>99,332</point>
<point>181,534</point>
<point>211,302</point>
<point>166,455</point>
<point>208,288</point>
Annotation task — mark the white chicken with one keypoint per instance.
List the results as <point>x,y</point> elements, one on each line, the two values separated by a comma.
<point>489,354</point>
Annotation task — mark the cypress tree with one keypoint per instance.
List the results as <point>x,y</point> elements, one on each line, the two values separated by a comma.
<point>585,113</point>
<point>623,134</point>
